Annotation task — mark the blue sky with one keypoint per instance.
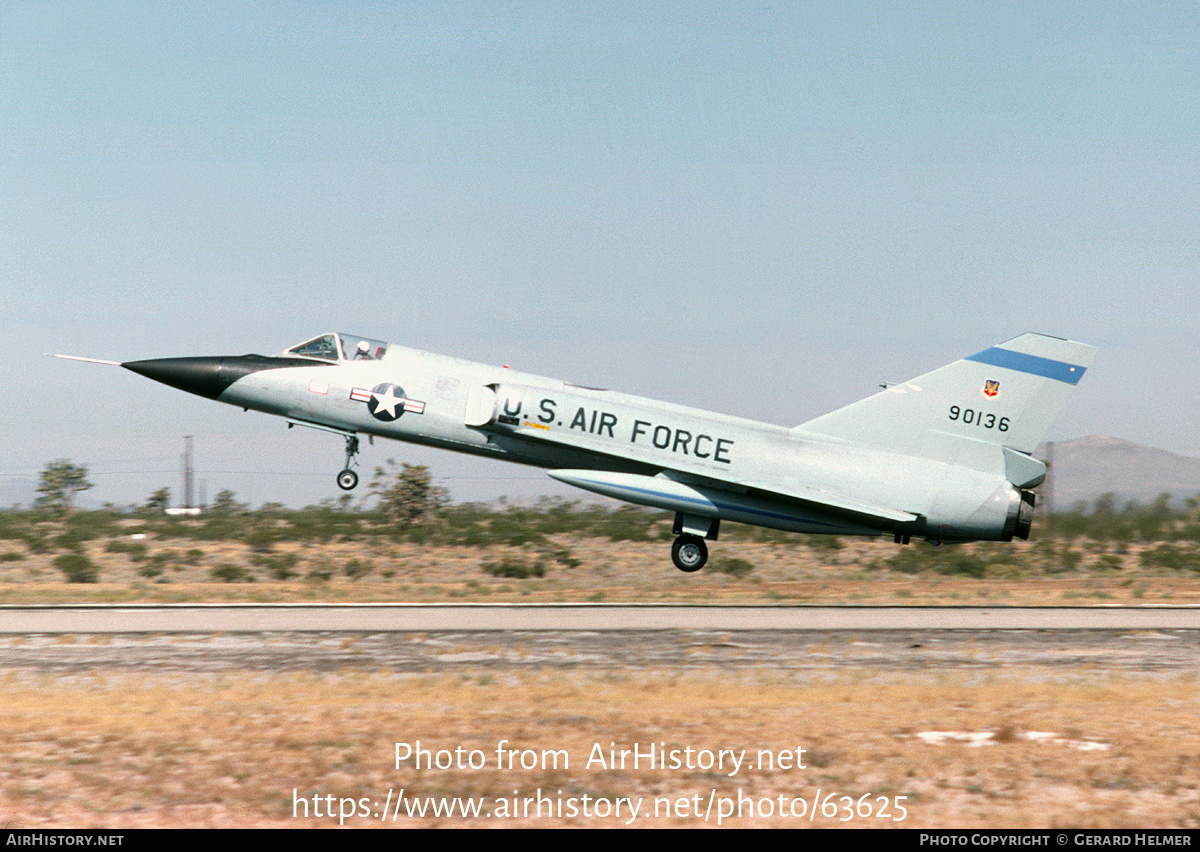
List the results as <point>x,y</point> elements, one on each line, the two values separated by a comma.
<point>763,208</point>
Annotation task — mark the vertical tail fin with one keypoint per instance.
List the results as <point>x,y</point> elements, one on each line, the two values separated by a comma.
<point>1006,396</point>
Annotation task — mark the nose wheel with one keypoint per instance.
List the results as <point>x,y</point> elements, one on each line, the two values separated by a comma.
<point>689,553</point>
<point>348,479</point>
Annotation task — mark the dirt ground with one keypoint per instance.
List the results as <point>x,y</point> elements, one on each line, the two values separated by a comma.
<point>544,748</point>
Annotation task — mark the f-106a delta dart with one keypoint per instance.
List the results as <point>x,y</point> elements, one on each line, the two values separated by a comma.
<point>945,456</point>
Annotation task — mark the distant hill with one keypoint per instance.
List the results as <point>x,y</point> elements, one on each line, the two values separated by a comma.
<point>1086,468</point>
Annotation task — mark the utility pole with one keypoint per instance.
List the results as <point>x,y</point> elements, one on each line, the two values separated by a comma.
<point>187,472</point>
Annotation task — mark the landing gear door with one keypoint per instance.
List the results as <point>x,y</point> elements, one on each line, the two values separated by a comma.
<point>481,405</point>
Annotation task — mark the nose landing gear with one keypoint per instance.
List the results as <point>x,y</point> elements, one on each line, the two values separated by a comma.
<point>347,479</point>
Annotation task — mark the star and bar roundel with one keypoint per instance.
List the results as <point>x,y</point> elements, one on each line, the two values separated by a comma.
<point>387,401</point>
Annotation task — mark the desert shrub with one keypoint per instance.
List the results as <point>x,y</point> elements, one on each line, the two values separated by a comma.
<point>563,556</point>
<point>37,542</point>
<point>732,566</point>
<point>1068,559</point>
<point>1171,557</point>
<point>909,560</point>
<point>949,560</point>
<point>226,503</point>
<point>281,567</point>
<point>261,539</point>
<point>13,525</point>
<point>215,528</point>
<point>77,568</point>
<point>823,542</point>
<point>72,537</point>
<point>515,527</point>
<point>514,568</point>
<point>407,494</point>
<point>961,563</point>
<point>135,550</point>
<point>230,573</point>
<point>627,523</point>
<point>322,523</point>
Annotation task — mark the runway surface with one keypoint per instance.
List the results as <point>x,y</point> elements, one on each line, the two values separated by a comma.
<point>221,618</point>
<point>796,641</point>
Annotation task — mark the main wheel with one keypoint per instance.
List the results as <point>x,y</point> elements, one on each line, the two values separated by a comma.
<point>347,479</point>
<point>689,553</point>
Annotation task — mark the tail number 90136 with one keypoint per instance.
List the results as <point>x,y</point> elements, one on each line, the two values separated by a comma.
<point>982,419</point>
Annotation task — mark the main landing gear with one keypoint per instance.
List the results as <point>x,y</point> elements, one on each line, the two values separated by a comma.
<point>347,479</point>
<point>689,552</point>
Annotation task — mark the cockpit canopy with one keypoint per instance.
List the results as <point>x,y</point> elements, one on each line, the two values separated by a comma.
<point>340,347</point>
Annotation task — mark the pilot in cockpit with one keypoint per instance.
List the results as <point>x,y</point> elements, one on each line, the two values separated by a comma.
<point>363,351</point>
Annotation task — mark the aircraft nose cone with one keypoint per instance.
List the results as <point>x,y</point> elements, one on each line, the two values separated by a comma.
<point>210,375</point>
<point>205,376</point>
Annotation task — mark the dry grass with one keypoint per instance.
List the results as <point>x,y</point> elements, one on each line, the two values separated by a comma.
<point>796,572</point>
<point>122,750</point>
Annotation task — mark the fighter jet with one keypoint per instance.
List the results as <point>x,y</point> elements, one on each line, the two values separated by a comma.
<point>946,456</point>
